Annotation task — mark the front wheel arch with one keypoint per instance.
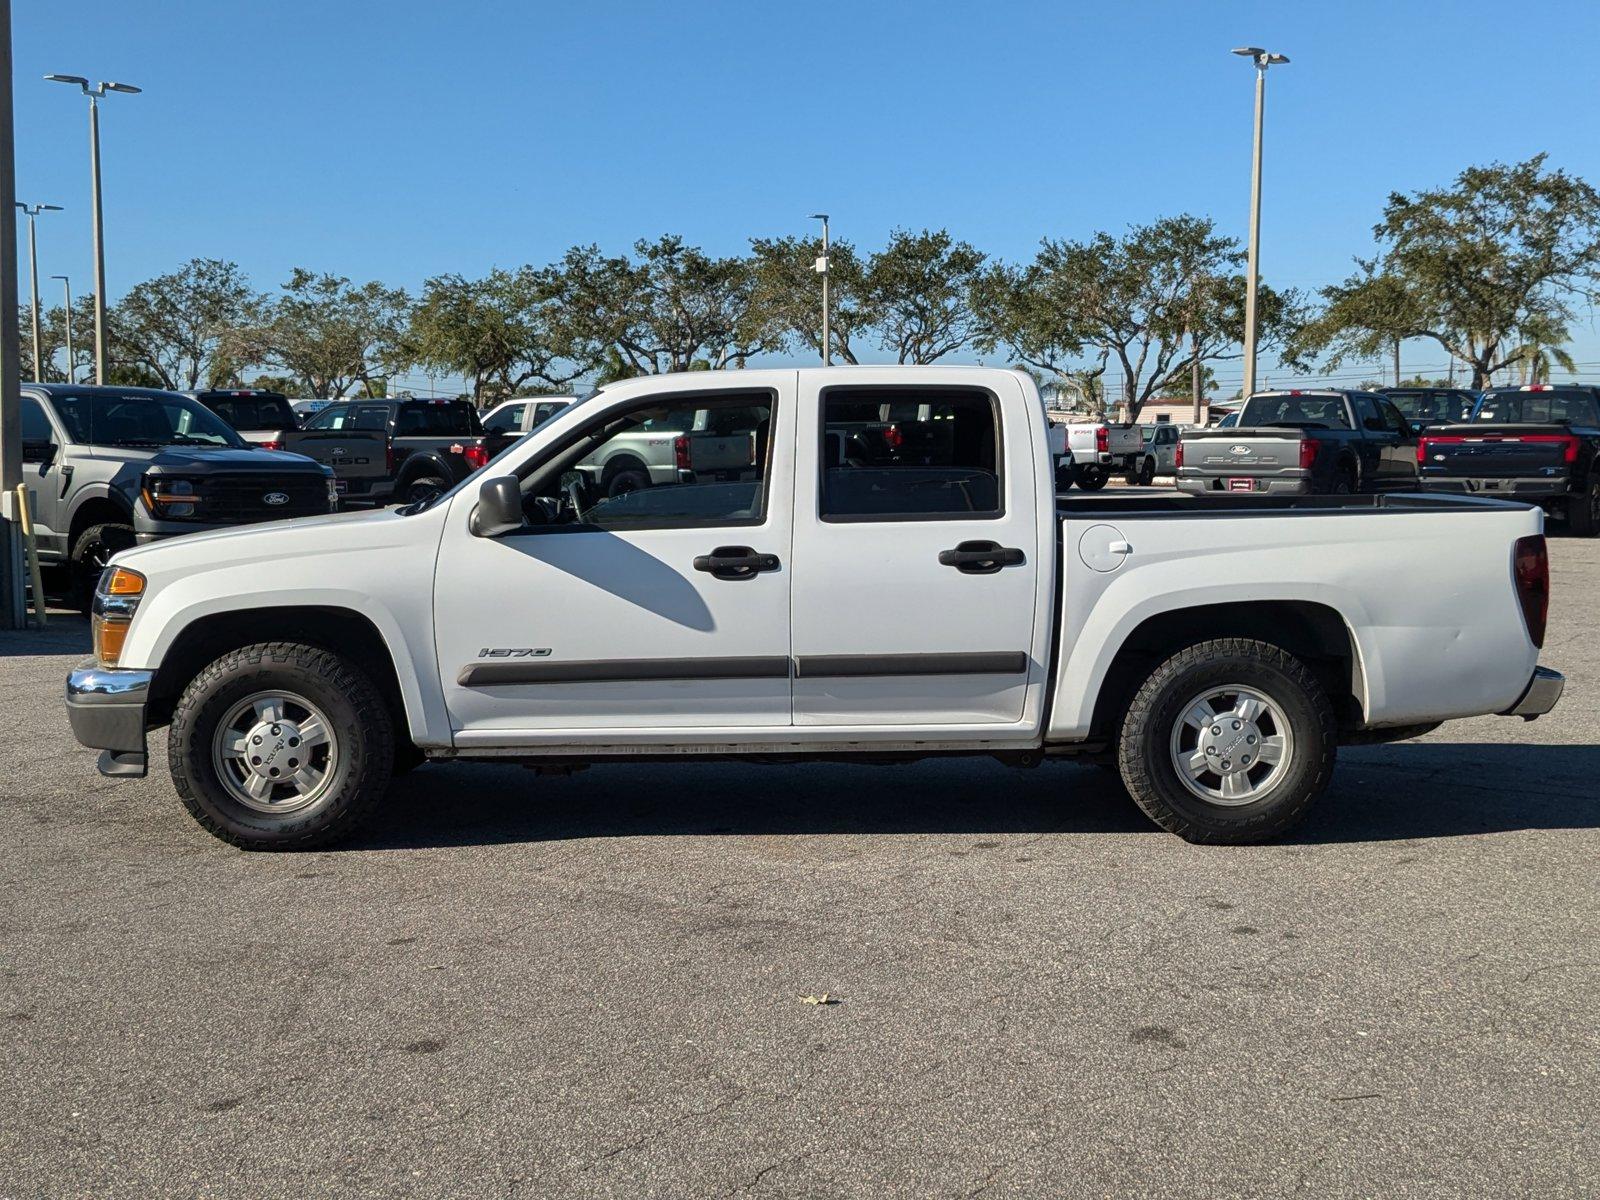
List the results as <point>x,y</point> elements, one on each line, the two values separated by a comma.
<point>341,630</point>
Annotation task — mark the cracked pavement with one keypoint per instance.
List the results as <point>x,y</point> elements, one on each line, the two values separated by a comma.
<point>523,986</point>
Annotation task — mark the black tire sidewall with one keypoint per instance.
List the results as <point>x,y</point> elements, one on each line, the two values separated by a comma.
<point>434,486</point>
<point>355,711</point>
<point>637,480</point>
<point>1580,512</point>
<point>1091,478</point>
<point>113,536</point>
<point>1145,753</point>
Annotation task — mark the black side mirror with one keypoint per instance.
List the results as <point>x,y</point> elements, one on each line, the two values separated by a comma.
<point>499,507</point>
<point>39,452</point>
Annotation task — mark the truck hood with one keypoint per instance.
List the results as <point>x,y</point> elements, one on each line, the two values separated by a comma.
<point>201,460</point>
<point>267,539</point>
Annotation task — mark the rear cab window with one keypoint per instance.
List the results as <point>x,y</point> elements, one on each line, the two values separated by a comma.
<point>1570,406</point>
<point>425,418</point>
<point>252,412</point>
<point>1303,411</point>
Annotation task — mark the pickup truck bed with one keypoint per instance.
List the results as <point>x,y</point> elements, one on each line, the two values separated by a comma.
<point>814,606</point>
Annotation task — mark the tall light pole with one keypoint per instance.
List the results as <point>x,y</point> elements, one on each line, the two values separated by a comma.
<point>94,93</point>
<point>1263,59</point>
<point>822,269</point>
<point>72,362</point>
<point>33,211</point>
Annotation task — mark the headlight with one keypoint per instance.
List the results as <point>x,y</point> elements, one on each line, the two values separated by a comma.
<point>115,598</point>
<point>167,498</point>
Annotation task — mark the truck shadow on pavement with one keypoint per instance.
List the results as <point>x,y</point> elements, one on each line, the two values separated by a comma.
<point>1385,793</point>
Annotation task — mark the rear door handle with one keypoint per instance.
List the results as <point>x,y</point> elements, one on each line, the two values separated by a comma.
<point>981,558</point>
<point>735,562</point>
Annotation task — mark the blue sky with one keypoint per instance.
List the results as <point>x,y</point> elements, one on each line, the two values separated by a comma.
<point>404,139</point>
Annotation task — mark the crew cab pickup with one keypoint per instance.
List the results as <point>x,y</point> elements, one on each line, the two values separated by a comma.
<point>1303,442</point>
<point>394,449</point>
<point>260,417</point>
<point>806,607</point>
<point>1539,444</point>
<point>109,467</point>
<point>1096,449</point>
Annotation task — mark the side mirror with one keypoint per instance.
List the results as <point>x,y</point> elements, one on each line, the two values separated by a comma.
<point>499,507</point>
<point>39,452</point>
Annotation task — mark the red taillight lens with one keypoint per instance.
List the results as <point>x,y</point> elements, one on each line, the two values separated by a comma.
<point>274,445</point>
<point>1308,453</point>
<point>1177,456</point>
<point>476,456</point>
<point>1531,566</point>
<point>680,451</point>
<point>893,438</point>
<point>1102,440</point>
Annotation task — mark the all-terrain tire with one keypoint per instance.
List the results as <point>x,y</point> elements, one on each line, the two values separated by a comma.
<point>360,729</point>
<point>1145,750</point>
<point>95,545</point>
<point>1583,510</point>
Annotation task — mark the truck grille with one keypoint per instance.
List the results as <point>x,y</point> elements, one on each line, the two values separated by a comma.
<point>242,498</point>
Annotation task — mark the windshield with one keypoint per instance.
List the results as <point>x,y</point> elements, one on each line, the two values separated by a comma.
<point>253,412</point>
<point>1538,408</point>
<point>1304,412</point>
<point>141,419</point>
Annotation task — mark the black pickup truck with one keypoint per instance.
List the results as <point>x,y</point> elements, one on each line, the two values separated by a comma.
<point>1539,444</point>
<point>1425,407</point>
<point>1301,442</point>
<point>400,449</point>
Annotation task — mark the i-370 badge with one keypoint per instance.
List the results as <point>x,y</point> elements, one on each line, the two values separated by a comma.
<point>514,652</point>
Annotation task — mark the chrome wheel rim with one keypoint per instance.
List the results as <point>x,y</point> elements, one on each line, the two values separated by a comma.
<point>275,752</point>
<point>1231,745</point>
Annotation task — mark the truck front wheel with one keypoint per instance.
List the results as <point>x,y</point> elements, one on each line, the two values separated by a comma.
<point>281,746</point>
<point>1228,741</point>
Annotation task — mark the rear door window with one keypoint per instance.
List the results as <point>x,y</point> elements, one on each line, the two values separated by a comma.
<point>505,420</point>
<point>904,455</point>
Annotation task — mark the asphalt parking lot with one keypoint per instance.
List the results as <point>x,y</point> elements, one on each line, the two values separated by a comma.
<point>592,986</point>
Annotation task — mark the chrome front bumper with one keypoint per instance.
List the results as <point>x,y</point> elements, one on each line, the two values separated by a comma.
<point>106,706</point>
<point>1540,696</point>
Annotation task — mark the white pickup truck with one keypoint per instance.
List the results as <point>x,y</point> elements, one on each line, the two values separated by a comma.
<point>1099,449</point>
<point>934,601</point>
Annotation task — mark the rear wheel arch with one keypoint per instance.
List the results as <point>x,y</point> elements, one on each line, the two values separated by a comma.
<point>342,631</point>
<point>1316,634</point>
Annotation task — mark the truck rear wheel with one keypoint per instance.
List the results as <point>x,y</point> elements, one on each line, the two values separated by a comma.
<point>1583,511</point>
<point>423,487</point>
<point>1091,477</point>
<point>281,746</point>
<point>1228,742</point>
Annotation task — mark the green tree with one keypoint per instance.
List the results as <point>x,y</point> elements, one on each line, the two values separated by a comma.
<point>504,333</point>
<point>326,333</point>
<point>1490,268</point>
<point>1157,302</point>
<point>671,308</point>
<point>920,292</point>
<point>1366,316</point>
<point>52,341</point>
<point>175,327</point>
<point>788,291</point>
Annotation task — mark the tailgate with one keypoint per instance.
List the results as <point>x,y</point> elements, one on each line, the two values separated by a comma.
<point>1242,452</point>
<point>1497,451</point>
<point>351,455</point>
<point>1126,439</point>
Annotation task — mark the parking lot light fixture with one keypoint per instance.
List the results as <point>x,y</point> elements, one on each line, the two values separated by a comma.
<point>94,92</point>
<point>32,211</point>
<point>822,269</point>
<point>1262,59</point>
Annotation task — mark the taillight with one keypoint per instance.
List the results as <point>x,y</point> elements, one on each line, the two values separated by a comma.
<point>1422,450</point>
<point>1177,456</point>
<point>893,438</point>
<point>273,445</point>
<point>1308,453</point>
<point>476,456</point>
<point>680,451</point>
<point>1531,566</point>
<point>1102,440</point>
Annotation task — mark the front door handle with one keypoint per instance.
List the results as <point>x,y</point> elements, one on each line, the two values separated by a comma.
<point>981,558</point>
<point>735,562</point>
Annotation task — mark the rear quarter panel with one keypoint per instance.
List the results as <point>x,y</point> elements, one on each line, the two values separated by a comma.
<point>1427,597</point>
